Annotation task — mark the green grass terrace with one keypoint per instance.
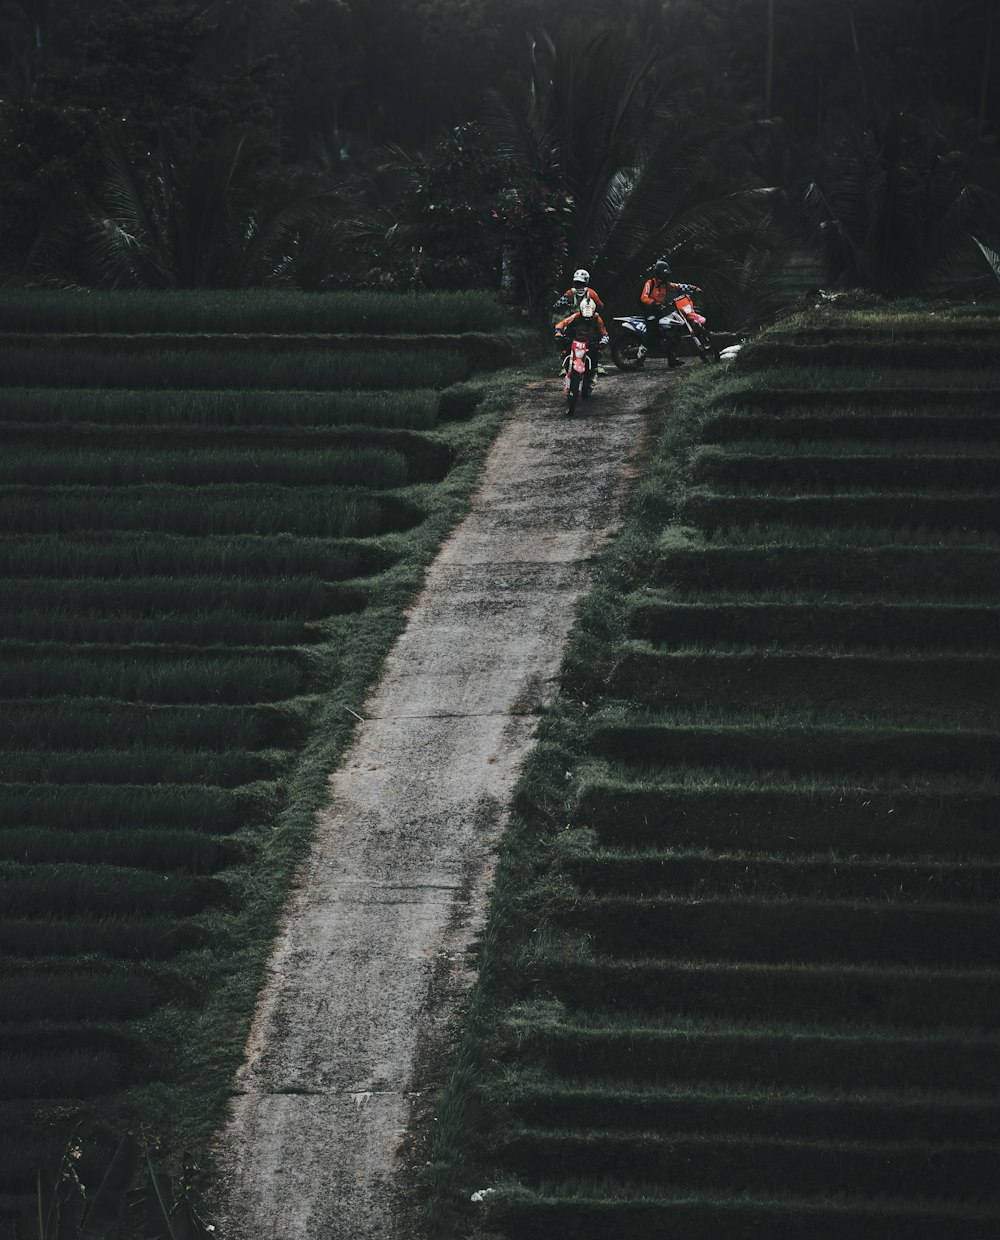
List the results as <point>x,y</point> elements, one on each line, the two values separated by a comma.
<point>740,976</point>
<point>213,511</point>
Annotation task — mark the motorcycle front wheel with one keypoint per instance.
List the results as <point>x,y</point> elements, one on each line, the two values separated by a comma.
<point>573,395</point>
<point>704,341</point>
<point>628,353</point>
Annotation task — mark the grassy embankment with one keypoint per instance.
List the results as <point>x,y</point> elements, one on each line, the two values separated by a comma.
<point>742,967</point>
<point>207,541</point>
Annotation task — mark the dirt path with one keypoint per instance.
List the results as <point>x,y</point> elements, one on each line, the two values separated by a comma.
<point>373,940</point>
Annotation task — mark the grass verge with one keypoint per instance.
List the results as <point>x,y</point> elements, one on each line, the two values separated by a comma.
<point>719,869</point>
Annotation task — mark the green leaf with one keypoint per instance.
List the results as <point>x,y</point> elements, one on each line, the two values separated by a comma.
<point>107,1204</point>
<point>167,1217</point>
<point>991,256</point>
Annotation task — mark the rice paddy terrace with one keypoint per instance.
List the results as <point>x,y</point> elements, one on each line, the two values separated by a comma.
<point>743,966</point>
<point>212,512</point>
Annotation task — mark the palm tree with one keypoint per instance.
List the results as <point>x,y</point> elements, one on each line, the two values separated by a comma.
<point>902,199</point>
<point>210,217</point>
<point>649,152</point>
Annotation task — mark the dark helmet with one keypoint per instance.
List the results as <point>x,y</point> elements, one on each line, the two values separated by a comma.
<point>660,269</point>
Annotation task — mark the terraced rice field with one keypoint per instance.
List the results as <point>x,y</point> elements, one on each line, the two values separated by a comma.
<point>207,538</point>
<point>742,972</point>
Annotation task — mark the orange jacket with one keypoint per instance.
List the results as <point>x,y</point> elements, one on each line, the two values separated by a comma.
<point>658,292</point>
<point>587,329</point>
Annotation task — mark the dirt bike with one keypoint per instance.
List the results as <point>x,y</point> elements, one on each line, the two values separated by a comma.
<point>633,342</point>
<point>578,366</point>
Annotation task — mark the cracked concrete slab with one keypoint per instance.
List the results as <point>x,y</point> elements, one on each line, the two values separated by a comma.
<point>371,949</point>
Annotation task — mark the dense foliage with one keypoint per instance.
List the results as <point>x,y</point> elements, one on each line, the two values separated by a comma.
<point>333,143</point>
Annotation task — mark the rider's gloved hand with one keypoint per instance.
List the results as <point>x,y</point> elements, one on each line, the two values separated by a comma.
<point>605,339</point>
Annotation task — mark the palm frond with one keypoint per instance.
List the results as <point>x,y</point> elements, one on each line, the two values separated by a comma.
<point>277,233</point>
<point>991,256</point>
<point>127,241</point>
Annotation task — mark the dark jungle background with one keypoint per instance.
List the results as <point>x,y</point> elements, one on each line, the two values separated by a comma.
<point>325,144</point>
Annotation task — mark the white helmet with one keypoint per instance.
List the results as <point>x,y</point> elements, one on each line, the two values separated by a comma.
<point>587,307</point>
<point>581,276</point>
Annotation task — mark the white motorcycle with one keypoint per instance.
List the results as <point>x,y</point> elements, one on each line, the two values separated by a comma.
<point>633,340</point>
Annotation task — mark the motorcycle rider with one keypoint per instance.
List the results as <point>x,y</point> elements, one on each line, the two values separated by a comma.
<point>576,293</point>
<point>583,324</point>
<point>657,297</point>
<point>579,289</point>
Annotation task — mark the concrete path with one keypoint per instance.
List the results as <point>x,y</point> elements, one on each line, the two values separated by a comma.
<point>371,954</point>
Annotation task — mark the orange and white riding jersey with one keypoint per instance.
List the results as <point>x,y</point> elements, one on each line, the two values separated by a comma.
<point>573,296</point>
<point>584,329</point>
<point>659,292</point>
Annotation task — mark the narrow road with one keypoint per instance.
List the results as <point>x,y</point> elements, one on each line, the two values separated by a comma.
<point>371,952</point>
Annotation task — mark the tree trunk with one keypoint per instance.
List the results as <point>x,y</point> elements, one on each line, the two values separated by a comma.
<point>769,65</point>
<point>508,277</point>
<point>984,87</point>
<point>857,59</point>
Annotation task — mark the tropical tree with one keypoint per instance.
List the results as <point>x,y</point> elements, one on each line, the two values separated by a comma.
<point>216,216</point>
<point>535,215</point>
<point>653,158</point>
<point>419,219</point>
<point>446,213</point>
<point>901,200</point>
<point>92,159</point>
<point>19,37</point>
<point>49,155</point>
